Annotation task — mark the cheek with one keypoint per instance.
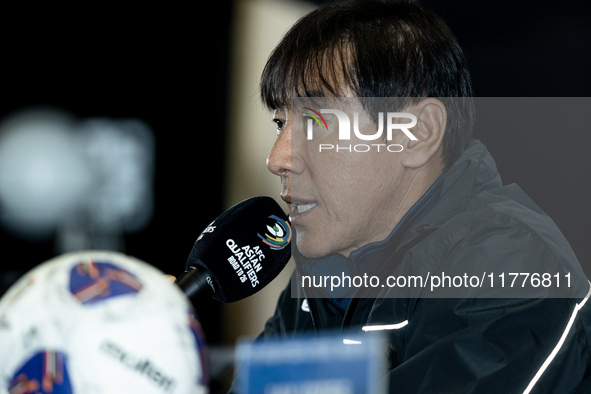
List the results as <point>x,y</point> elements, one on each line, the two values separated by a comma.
<point>349,181</point>
<point>369,185</point>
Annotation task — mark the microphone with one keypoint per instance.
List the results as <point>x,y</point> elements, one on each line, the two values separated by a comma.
<point>239,253</point>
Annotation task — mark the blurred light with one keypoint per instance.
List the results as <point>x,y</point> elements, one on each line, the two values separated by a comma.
<point>87,180</point>
<point>120,156</point>
<point>42,175</point>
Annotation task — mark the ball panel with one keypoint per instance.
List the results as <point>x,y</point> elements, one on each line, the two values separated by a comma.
<point>44,373</point>
<point>94,281</point>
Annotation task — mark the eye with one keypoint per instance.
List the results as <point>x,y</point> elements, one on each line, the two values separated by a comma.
<point>280,125</point>
<point>279,120</point>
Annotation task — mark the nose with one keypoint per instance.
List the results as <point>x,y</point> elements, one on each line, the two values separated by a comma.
<point>279,160</point>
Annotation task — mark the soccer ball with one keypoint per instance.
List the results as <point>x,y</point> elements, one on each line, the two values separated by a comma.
<point>99,322</point>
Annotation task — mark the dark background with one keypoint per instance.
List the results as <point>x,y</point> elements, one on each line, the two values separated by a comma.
<point>168,66</point>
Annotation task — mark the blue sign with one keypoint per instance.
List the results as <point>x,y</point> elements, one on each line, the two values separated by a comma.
<point>312,364</point>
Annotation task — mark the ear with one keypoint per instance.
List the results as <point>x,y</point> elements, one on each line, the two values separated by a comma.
<point>429,131</point>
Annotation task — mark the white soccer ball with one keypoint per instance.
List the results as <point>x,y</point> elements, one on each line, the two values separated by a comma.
<point>99,322</point>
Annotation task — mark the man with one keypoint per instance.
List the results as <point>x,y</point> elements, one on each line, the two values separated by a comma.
<point>433,205</point>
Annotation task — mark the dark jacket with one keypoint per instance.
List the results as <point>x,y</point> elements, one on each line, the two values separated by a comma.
<point>473,340</point>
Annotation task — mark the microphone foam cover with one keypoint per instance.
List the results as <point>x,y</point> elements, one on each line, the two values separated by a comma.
<point>244,249</point>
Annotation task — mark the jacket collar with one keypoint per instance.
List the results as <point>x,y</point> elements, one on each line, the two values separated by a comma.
<point>474,171</point>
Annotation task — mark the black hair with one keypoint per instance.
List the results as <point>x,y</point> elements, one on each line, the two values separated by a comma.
<point>374,48</point>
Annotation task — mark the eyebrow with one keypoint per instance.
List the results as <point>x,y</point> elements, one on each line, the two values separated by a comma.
<point>281,111</point>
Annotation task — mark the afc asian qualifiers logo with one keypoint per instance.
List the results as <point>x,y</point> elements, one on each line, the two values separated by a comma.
<point>278,234</point>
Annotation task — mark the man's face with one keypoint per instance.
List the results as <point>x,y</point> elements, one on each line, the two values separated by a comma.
<point>339,200</point>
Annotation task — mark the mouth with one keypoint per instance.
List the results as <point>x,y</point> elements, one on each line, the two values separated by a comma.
<point>298,207</point>
<point>301,207</point>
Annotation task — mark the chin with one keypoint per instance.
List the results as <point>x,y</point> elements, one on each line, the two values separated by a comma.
<point>313,247</point>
